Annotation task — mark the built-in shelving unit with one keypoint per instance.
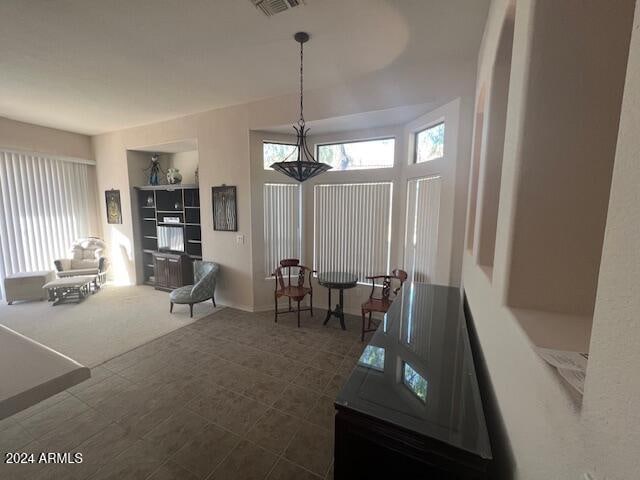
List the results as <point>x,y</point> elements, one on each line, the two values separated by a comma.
<point>155,205</point>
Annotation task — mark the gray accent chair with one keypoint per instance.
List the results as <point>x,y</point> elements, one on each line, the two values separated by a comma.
<point>204,279</point>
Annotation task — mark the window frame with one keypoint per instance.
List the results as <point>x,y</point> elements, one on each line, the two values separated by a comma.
<point>437,123</point>
<point>360,140</point>
<point>411,388</point>
<point>372,366</point>
<point>269,169</point>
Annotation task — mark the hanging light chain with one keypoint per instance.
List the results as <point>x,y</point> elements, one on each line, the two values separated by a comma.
<point>306,166</point>
<point>301,121</point>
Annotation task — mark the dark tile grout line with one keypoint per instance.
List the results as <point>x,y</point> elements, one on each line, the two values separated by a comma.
<point>170,457</point>
<point>242,437</point>
<point>220,309</point>
<point>352,342</point>
<point>269,406</point>
<point>287,384</point>
<point>281,455</point>
<point>232,361</point>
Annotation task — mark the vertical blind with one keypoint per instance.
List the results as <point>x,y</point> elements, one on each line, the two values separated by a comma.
<point>353,228</point>
<point>423,212</point>
<point>281,224</point>
<point>45,205</point>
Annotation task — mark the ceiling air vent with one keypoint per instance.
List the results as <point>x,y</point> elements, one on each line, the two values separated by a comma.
<point>272,7</point>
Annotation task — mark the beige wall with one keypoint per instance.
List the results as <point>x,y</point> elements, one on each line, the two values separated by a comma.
<point>33,138</point>
<point>222,145</point>
<point>490,159</point>
<point>612,402</point>
<point>223,149</point>
<point>553,434</point>
<point>569,110</point>
<point>137,162</point>
<point>186,162</point>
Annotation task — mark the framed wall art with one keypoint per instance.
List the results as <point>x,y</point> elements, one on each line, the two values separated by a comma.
<point>114,208</point>
<point>225,209</point>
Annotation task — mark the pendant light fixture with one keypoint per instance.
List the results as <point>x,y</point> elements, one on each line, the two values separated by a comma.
<point>305,166</point>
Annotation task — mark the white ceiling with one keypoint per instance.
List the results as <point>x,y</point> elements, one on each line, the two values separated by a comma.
<point>188,145</point>
<point>359,121</point>
<point>92,66</point>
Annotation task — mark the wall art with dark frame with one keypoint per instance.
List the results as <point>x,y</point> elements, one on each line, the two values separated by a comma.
<point>225,209</point>
<point>114,208</point>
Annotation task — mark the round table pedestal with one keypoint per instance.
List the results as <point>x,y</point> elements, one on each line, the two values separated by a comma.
<point>337,281</point>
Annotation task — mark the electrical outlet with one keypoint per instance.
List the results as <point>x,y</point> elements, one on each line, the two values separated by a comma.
<point>240,239</point>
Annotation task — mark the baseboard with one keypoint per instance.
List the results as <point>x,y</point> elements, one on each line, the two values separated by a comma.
<point>269,308</point>
<point>263,308</point>
<point>237,306</point>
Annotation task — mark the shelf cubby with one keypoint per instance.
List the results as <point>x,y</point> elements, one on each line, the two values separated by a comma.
<point>192,215</point>
<point>191,198</point>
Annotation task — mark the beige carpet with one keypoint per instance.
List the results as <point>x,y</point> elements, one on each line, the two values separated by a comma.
<point>109,323</point>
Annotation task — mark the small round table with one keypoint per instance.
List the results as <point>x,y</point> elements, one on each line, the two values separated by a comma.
<point>337,281</point>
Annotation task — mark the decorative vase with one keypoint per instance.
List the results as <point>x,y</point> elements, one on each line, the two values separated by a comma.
<point>173,176</point>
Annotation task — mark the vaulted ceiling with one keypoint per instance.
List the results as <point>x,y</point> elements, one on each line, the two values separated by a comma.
<point>93,66</point>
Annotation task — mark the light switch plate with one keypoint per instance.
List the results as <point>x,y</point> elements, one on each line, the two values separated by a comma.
<point>240,239</point>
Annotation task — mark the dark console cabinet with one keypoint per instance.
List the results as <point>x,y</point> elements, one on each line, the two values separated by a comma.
<point>172,270</point>
<point>412,407</point>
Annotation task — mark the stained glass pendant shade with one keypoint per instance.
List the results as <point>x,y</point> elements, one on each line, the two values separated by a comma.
<point>305,166</point>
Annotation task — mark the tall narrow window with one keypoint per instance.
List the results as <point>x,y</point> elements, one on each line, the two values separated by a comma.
<point>352,228</point>
<point>430,143</point>
<point>281,224</point>
<point>423,214</point>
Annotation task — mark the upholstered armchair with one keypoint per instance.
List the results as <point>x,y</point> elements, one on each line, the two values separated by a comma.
<point>203,289</point>
<point>88,257</point>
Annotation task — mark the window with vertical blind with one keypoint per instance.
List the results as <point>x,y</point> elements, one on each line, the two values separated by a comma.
<point>423,214</point>
<point>352,228</point>
<point>46,204</point>
<point>281,224</point>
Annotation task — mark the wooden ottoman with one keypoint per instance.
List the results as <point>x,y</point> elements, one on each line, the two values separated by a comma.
<point>70,289</point>
<point>26,286</point>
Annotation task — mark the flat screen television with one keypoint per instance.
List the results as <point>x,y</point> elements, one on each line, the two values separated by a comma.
<point>170,238</point>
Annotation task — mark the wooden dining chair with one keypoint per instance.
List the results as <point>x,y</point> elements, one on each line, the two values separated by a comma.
<point>382,303</point>
<point>295,292</point>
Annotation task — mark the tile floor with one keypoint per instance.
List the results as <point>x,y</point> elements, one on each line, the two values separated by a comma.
<point>232,396</point>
